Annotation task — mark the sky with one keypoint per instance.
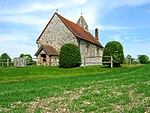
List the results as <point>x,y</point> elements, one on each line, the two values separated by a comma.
<point>126,21</point>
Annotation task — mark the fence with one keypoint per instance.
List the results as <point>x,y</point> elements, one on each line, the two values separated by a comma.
<point>85,61</point>
<point>20,62</point>
<point>96,60</point>
<point>6,62</point>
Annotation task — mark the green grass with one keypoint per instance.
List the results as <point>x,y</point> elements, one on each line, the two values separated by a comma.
<point>90,89</point>
<point>10,74</point>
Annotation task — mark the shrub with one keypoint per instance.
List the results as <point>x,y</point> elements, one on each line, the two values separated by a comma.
<point>69,56</point>
<point>115,50</point>
<point>144,59</point>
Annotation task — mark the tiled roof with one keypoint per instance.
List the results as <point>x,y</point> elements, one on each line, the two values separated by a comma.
<point>49,50</point>
<point>78,31</point>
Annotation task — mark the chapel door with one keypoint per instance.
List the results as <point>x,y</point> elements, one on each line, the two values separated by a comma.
<point>43,59</point>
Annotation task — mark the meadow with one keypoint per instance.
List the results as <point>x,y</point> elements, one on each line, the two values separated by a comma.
<point>90,89</point>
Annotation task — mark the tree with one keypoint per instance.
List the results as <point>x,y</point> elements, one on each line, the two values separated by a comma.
<point>115,50</point>
<point>4,57</point>
<point>69,56</point>
<point>28,57</point>
<point>128,59</point>
<point>144,59</point>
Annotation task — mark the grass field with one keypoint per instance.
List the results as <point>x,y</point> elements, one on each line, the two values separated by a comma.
<point>90,89</point>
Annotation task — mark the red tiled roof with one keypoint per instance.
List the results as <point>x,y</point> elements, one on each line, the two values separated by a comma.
<point>49,50</point>
<point>78,31</point>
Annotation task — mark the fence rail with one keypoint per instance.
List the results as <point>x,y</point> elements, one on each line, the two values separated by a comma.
<point>96,60</point>
<point>86,61</point>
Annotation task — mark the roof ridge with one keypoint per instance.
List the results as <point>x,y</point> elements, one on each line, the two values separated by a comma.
<point>78,34</point>
<point>77,30</point>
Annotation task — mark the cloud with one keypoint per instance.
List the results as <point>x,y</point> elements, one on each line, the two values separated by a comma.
<point>117,37</point>
<point>24,19</point>
<point>135,49</point>
<point>14,50</point>
<point>70,9</point>
<point>115,27</point>
<point>16,43</point>
<point>15,37</point>
<point>137,2</point>
<point>30,13</point>
<point>137,40</point>
<point>38,5</point>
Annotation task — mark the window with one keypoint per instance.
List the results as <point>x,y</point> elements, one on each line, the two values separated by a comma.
<point>98,52</point>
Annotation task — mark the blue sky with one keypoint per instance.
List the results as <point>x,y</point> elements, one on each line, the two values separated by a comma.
<point>126,21</point>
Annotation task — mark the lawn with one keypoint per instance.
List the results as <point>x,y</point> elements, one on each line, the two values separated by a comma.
<point>10,74</point>
<point>90,89</point>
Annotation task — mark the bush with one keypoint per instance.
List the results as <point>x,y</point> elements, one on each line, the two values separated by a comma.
<point>144,59</point>
<point>115,50</point>
<point>69,56</point>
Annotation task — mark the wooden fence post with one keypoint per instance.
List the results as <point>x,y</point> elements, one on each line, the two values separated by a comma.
<point>7,62</point>
<point>84,61</point>
<point>111,59</point>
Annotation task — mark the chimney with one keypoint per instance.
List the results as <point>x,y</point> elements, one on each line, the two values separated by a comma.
<point>96,34</point>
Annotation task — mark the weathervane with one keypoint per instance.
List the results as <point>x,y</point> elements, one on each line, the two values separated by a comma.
<point>56,10</point>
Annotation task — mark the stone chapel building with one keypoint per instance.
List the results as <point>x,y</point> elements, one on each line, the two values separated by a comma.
<point>60,31</point>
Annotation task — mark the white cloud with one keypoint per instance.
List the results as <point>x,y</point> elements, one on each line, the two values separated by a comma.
<point>16,43</point>
<point>135,49</point>
<point>116,27</point>
<point>24,19</point>
<point>137,40</point>
<point>81,2</point>
<point>117,37</point>
<point>137,2</point>
<point>14,50</point>
<point>12,37</point>
<point>71,9</point>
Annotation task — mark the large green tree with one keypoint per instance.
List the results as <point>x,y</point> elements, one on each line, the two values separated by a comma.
<point>144,59</point>
<point>114,49</point>
<point>128,59</point>
<point>69,56</point>
<point>4,57</point>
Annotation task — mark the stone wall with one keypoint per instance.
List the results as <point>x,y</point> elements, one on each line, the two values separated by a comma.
<point>90,53</point>
<point>54,61</point>
<point>57,34</point>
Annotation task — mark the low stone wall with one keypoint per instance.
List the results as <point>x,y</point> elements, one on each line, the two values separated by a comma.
<point>87,61</point>
<point>54,60</point>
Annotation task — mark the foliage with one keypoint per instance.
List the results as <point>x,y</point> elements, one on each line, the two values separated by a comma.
<point>144,59</point>
<point>115,50</point>
<point>127,88</point>
<point>69,56</point>
<point>129,59</point>
<point>28,57</point>
<point>4,58</point>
